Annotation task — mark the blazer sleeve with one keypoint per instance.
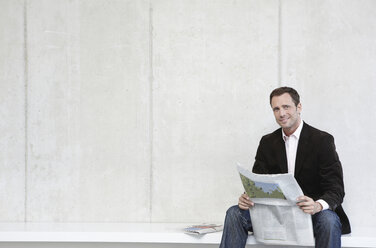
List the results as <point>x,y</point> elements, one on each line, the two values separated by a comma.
<point>330,173</point>
<point>260,166</point>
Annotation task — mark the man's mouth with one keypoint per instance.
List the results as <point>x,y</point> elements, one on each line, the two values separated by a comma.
<point>283,120</point>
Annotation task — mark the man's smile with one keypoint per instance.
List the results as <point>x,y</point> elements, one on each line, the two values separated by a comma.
<point>284,120</point>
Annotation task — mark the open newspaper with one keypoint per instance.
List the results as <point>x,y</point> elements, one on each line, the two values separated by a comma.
<point>275,217</point>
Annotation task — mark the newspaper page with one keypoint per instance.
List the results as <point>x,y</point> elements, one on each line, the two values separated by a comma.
<point>275,217</point>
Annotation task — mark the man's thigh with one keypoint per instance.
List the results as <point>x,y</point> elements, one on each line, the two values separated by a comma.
<point>326,221</point>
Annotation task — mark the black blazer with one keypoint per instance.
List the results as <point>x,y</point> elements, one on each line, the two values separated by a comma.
<point>318,170</point>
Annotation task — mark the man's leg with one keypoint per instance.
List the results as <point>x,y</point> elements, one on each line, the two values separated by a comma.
<point>327,229</point>
<point>235,230</point>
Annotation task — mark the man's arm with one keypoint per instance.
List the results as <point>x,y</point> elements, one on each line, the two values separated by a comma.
<point>330,172</point>
<point>259,166</point>
<point>330,179</point>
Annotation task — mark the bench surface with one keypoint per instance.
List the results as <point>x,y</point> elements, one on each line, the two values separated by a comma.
<point>167,233</point>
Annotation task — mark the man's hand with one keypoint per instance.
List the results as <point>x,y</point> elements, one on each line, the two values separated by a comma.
<point>308,205</point>
<point>244,202</point>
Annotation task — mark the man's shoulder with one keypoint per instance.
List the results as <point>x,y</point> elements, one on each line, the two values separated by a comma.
<point>313,131</point>
<point>273,135</point>
<point>272,138</point>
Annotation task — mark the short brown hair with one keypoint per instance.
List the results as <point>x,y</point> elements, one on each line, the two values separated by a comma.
<point>282,90</point>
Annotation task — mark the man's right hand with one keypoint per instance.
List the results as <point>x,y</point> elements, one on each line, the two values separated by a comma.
<point>244,202</point>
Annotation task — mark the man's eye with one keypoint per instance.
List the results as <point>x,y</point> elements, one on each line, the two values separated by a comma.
<point>286,107</point>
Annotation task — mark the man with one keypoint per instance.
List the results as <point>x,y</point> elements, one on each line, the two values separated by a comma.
<point>310,155</point>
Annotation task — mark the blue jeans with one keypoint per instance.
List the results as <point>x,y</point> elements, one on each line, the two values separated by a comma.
<point>326,227</point>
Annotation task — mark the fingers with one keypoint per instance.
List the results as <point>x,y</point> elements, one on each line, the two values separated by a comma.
<point>308,210</point>
<point>303,198</point>
<point>308,205</point>
<point>244,202</point>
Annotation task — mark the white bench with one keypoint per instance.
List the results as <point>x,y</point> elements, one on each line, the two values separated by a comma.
<point>129,235</point>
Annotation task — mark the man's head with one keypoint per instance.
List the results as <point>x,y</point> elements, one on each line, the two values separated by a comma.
<point>282,90</point>
<point>285,102</point>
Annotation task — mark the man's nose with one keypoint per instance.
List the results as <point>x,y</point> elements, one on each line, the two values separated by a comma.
<point>282,112</point>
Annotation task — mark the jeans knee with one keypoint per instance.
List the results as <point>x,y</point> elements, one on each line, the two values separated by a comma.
<point>328,220</point>
<point>232,212</point>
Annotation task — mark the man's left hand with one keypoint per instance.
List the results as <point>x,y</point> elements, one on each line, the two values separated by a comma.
<point>308,205</point>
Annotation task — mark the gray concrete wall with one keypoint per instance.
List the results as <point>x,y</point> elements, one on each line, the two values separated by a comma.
<point>139,110</point>
<point>12,111</point>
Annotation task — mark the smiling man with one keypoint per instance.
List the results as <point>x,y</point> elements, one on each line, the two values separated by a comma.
<point>310,155</point>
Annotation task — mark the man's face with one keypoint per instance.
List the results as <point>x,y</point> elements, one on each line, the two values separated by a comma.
<point>286,113</point>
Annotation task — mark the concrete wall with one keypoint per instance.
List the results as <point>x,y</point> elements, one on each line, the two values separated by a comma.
<point>139,110</point>
<point>12,111</point>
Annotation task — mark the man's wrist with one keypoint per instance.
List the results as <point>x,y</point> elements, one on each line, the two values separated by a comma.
<point>318,207</point>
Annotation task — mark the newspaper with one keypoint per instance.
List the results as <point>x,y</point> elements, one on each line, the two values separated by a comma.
<point>203,229</point>
<point>275,217</point>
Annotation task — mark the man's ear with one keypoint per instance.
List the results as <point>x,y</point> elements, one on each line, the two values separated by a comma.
<point>299,108</point>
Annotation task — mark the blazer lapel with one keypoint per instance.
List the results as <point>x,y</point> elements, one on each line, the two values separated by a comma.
<point>279,144</point>
<point>303,150</point>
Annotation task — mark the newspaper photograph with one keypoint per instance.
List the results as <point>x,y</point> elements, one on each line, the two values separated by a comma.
<point>276,219</point>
